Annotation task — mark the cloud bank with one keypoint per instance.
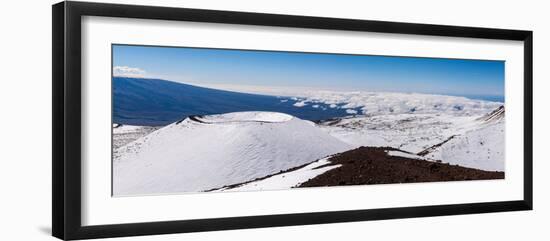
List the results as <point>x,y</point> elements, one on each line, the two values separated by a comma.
<point>125,71</point>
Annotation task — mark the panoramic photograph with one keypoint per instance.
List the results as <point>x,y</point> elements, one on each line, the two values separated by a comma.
<point>193,120</point>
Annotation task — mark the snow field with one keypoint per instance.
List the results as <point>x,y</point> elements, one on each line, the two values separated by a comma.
<point>191,156</point>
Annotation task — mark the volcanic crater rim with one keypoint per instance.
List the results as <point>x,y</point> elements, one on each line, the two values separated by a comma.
<point>245,116</point>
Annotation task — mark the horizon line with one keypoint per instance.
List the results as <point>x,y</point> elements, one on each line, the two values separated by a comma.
<point>220,87</point>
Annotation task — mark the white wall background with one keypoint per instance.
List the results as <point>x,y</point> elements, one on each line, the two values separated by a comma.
<point>25,122</point>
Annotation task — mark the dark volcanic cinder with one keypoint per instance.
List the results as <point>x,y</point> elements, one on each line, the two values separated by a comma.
<point>372,165</point>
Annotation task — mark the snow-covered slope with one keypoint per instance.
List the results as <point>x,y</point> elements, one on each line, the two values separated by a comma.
<point>286,180</point>
<point>201,153</point>
<point>124,134</point>
<point>407,121</point>
<point>480,148</point>
<point>408,132</point>
<point>475,141</point>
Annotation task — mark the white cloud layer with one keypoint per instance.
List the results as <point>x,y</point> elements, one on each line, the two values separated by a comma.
<point>372,103</point>
<point>125,71</point>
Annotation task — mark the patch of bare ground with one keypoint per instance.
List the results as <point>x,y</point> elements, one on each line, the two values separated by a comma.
<point>373,165</point>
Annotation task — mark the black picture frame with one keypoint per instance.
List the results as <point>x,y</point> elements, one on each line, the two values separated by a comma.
<point>66,128</point>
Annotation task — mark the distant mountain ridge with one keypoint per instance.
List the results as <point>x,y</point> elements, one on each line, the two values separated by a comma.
<point>156,102</point>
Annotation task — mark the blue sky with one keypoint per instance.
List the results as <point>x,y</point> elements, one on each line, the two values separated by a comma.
<point>315,71</point>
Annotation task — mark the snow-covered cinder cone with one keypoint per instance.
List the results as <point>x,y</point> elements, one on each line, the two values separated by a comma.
<point>205,152</point>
